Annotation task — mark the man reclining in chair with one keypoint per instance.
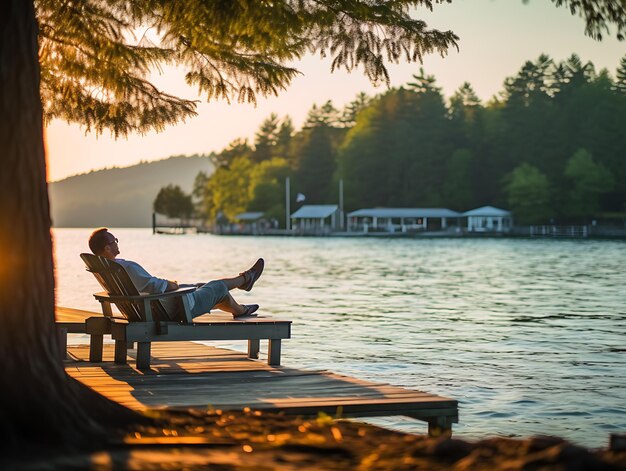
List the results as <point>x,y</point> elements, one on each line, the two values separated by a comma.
<point>214,294</point>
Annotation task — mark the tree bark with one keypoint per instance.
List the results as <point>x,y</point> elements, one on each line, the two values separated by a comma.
<point>38,402</point>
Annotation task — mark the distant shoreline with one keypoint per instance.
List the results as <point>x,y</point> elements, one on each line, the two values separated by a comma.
<point>521,233</point>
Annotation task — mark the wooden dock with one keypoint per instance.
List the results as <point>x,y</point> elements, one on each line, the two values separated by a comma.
<point>187,374</point>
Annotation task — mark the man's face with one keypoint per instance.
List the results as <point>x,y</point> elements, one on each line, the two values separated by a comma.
<point>111,250</point>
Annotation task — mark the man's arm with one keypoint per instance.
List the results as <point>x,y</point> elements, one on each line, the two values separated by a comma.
<point>144,281</point>
<point>171,286</point>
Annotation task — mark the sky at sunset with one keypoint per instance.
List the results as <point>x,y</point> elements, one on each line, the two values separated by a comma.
<point>496,37</point>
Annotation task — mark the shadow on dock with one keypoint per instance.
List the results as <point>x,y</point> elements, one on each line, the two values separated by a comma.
<point>189,375</point>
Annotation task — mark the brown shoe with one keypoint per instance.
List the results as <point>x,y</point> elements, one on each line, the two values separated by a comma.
<point>250,276</point>
<point>249,312</point>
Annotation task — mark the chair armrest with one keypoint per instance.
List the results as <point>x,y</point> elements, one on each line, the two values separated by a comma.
<point>112,298</point>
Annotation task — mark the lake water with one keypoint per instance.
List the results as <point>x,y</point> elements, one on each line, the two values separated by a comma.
<point>528,335</point>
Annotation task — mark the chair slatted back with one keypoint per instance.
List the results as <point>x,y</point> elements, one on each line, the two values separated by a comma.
<point>115,281</point>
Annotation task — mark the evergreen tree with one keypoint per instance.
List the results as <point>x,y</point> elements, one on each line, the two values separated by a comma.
<point>589,117</point>
<point>530,121</point>
<point>531,84</point>
<point>620,82</point>
<point>578,73</point>
<point>283,140</point>
<point>423,83</point>
<point>599,127</point>
<point>573,74</point>
<point>396,153</point>
<point>464,103</point>
<point>559,78</point>
<point>466,120</point>
<point>588,180</point>
<point>239,51</point>
<point>485,142</point>
<point>266,139</point>
<point>316,150</point>
<point>359,161</point>
<point>352,109</point>
<point>237,148</point>
<point>314,153</point>
<point>199,193</point>
<point>528,195</point>
<point>430,142</point>
<point>325,115</point>
<point>267,180</point>
<point>228,191</point>
<point>598,15</point>
<point>457,188</point>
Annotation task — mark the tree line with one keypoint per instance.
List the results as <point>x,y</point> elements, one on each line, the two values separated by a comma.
<point>550,146</point>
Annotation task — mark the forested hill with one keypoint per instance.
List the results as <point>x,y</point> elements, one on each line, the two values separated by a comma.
<point>120,197</point>
<point>550,147</point>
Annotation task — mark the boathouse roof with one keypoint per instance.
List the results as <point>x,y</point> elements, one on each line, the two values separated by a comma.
<point>311,211</point>
<point>405,213</point>
<point>487,211</point>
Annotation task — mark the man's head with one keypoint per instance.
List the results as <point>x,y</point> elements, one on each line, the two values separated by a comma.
<point>103,243</point>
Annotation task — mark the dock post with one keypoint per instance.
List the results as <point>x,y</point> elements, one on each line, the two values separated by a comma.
<point>617,442</point>
<point>253,348</point>
<point>120,352</point>
<point>273,352</point>
<point>95,347</point>
<point>143,355</point>
<point>97,327</point>
<point>440,426</point>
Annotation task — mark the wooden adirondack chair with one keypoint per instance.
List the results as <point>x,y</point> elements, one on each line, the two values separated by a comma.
<point>146,320</point>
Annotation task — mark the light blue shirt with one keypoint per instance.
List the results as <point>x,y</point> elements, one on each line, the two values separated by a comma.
<point>146,283</point>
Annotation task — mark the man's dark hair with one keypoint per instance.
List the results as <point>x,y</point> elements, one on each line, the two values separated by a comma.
<point>98,240</point>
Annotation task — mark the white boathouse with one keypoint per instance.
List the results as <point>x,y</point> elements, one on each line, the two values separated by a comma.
<point>402,219</point>
<point>315,219</point>
<point>489,219</point>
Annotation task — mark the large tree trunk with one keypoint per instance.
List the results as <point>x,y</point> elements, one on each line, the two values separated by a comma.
<point>37,400</point>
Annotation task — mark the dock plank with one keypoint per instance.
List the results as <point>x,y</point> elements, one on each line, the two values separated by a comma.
<point>66,314</point>
<point>187,374</point>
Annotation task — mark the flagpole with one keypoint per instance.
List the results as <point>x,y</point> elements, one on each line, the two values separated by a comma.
<point>287,209</point>
<point>341,204</point>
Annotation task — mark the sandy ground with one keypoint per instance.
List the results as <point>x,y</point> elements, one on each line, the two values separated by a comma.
<point>254,441</point>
